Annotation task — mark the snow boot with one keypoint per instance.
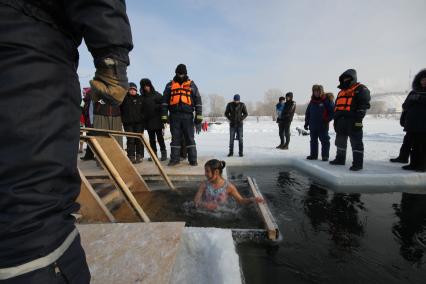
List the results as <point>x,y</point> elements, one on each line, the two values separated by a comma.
<point>337,162</point>
<point>132,159</point>
<point>399,160</point>
<point>311,158</point>
<point>279,146</point>
<point>409,167</point>
<point>284,147</point>
<point>355,168</point>
<point>138,159</point>
<point>173,163</point>
<point>163,155</point>
<point>241,154</point>
<point>324,159</point>
<point>193,163</point>
<point>230,154</point>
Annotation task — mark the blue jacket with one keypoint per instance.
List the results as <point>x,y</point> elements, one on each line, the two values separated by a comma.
<point>319,113</point>
<point>279,108</point>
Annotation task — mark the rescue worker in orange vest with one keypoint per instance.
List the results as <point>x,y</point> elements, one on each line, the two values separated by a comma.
<point>350,108</point>
<point>181,98</point>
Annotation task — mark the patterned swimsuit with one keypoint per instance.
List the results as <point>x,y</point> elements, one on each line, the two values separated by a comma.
<point>218,195</point>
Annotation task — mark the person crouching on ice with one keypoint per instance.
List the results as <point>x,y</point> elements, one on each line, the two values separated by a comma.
<point>216,190</point>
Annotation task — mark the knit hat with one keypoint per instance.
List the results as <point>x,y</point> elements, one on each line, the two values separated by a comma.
<point>181,69</point>
<point>133,86</point>
<point>237,97</point>
<point>289,94</point>
<point>281,99</point>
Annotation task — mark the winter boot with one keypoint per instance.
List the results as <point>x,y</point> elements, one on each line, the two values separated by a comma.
<point>279,146</point>
<point>355,168</point>
<point>409,167</point>
<point>230,154</point>
<point>138,159</point>
<point>132,159</point>
<point>163,155</point>
<point>173,163</point>
<point>193,163</point>
<point>324,159</point>
<point>241,154</point>
<point>337,162</point>
<point>399,160</point>
<point>284,147</point>
<point>311,157</point>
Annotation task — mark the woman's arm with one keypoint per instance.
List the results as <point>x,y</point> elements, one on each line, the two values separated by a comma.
<point>232,191</point>
<point>199,195</point>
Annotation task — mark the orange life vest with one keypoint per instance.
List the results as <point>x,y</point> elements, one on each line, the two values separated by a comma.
<point>345,98</point>
<point>181,93</point>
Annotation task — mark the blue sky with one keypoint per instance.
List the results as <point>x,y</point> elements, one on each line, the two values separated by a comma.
<point>248,47</point>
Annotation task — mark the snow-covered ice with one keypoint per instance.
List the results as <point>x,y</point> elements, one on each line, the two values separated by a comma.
<point>382,139</point>
<point>208,256</point>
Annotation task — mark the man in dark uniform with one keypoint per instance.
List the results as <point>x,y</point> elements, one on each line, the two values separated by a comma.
<point>39,118</point>
<point>351,106</point>
<point>181,98</point>
<point>236,112</point>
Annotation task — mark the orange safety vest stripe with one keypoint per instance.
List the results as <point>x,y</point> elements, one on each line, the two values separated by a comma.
<point>345,98</point>
<point>181,93</point>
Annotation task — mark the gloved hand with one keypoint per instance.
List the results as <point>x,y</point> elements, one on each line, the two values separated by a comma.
<point>198,119</point>
<point>306,127</point>
<point>198,128</point>
<point>164,119</point>
<point>110,82</point>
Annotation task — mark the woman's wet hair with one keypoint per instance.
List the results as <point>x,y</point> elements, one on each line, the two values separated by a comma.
<point>215,165</point>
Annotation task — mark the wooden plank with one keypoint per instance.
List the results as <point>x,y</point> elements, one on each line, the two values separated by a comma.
<point>111,197</point>
<point>115,176</point>
<point>122,164</point>
<point>91,207</point>
<point>270,224</point>
<point>146,144</point>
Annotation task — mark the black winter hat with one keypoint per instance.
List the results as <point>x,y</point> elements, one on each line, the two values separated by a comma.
<point>181,69</point>
<point>289,94</point>
<point>133,86</point>
<point>281,99</point>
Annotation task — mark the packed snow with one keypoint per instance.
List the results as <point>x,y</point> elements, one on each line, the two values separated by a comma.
<point>382,139</point>
<point>207,255</point>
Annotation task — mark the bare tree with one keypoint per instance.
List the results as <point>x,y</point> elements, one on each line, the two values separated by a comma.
<point>217,105</point>
<point>270,100</point>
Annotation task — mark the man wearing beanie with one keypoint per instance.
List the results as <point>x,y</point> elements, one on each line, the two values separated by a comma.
<point>350,108</point>
<point>131,115</point>
<point>236,112</point>
<point>286,118</point>
<point>181,99</point>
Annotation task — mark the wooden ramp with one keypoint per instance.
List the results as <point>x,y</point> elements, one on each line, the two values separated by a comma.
<point>131,253</point>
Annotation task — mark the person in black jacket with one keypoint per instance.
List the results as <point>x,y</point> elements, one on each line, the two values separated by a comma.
<point>287,117</point>
<point>236,112</point>
<point>39,144</point>
<point>151,109</point>
<point>132,118</point>
<point>351,106</point>
<point>181,98</point>
<point>414,110</point>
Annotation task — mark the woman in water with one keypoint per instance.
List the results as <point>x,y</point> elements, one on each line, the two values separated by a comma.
<point>216,190</point>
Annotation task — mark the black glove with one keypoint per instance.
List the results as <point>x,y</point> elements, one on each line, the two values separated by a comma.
<point>198,119</point>
<point>198,128</point>
<point>110,82</point>
<point>306,127</point>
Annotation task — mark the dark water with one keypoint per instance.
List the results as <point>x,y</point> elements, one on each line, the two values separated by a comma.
<point>333,237</point>
<point>166,206</point>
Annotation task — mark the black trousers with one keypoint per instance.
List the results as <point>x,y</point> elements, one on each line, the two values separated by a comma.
<point>418,157</point>
<point>160,138</point>
<point>284,131</point>
<point>182,126</point>
<point>39,126</point>
<point>322,135</point>
<point>357,144</point>
<point>134,145</point>
<point>71,267</point>
<point>405,151</point>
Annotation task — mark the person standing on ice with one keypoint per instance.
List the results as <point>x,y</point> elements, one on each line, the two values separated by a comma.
<point>132,117</point>
<point>279,108</point>
<point>181,98</point>
<point>40,183</point>
<point>236,112</point>
<point>351,105</point>
<point>151,109</point>
<point>215,192</point>
<point>414,108</point>
<point>287,117</point>
<point>318,115</point>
